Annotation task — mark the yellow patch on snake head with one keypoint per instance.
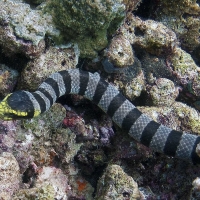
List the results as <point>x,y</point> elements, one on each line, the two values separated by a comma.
<point>7,113</point>
<point>16,106</point>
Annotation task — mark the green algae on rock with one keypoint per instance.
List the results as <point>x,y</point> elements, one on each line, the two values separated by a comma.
<point>87,22</point>
<point>45,192</point>
<point>183,66</point>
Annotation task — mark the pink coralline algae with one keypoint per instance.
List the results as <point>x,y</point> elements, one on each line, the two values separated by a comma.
<point>9,175</point>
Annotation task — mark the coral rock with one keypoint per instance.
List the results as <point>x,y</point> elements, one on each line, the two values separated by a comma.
<point>8,79</point>
<point>164,92</point>
<point>120,52</point>
<point>116,184</point>
<point>87,22</point>
<point>153,36</point>
<point>53,60</point>
<point>22,30</point>
<point>9,175</point>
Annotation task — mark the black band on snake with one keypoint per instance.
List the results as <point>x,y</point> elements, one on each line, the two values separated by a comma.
<point>24,104</point>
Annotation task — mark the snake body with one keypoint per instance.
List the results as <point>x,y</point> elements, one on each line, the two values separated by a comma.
<point>24,104</point>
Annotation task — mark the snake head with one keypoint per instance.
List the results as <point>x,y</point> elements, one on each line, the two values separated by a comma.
<point>16,105</point>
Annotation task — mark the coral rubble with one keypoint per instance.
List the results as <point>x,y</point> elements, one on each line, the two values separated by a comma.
<point>116,184</point>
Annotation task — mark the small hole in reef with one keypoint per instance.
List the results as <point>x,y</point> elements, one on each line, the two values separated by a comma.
<point>120,54</point>
<point>139,32</point>
<point>126,194</point>
<point>63,62</point>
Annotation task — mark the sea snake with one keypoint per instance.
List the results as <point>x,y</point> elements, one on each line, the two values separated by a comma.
<point>24,104</point>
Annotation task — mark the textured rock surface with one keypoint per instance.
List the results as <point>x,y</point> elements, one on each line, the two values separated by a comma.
<point>116,184</point>
<point>150,35</point>
<point>120,52</point>
<point>185,23</point>
<point>45,192</point>
<point>183,66</point>
<point>22,30</point>
<point>87,22</point>
<point>9,175</point>
<point>164,92</point>
<point>8,79</point>
<point>53,60</point>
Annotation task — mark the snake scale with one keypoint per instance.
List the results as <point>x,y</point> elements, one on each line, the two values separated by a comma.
<point>24,104</point>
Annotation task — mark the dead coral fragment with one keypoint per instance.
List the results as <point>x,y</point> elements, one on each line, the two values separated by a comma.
<point>116,184</point>
<point>153,36</point>
<point>164,92</point>
<point>120,52</point>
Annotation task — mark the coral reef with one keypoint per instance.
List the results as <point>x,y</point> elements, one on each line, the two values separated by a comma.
<point>150,35</point>
<point>164,92</point>
<point>147,49</point>
<point>116,184</point>
<point>131,81</point>
<point>87,22</point>
<point>8,79</point>
<point>90,158</point>
<point>183,66</point>
<point>19,33</point>
<point>131,4</point>
<point>120,52</point>
<point>53,60</point>
<point>185,23</point>
<point>45,192</point>
<point>54,177</point>
<point>9,175</point>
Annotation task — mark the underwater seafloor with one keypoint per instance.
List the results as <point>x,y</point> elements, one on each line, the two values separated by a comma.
<point>150,50</point>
